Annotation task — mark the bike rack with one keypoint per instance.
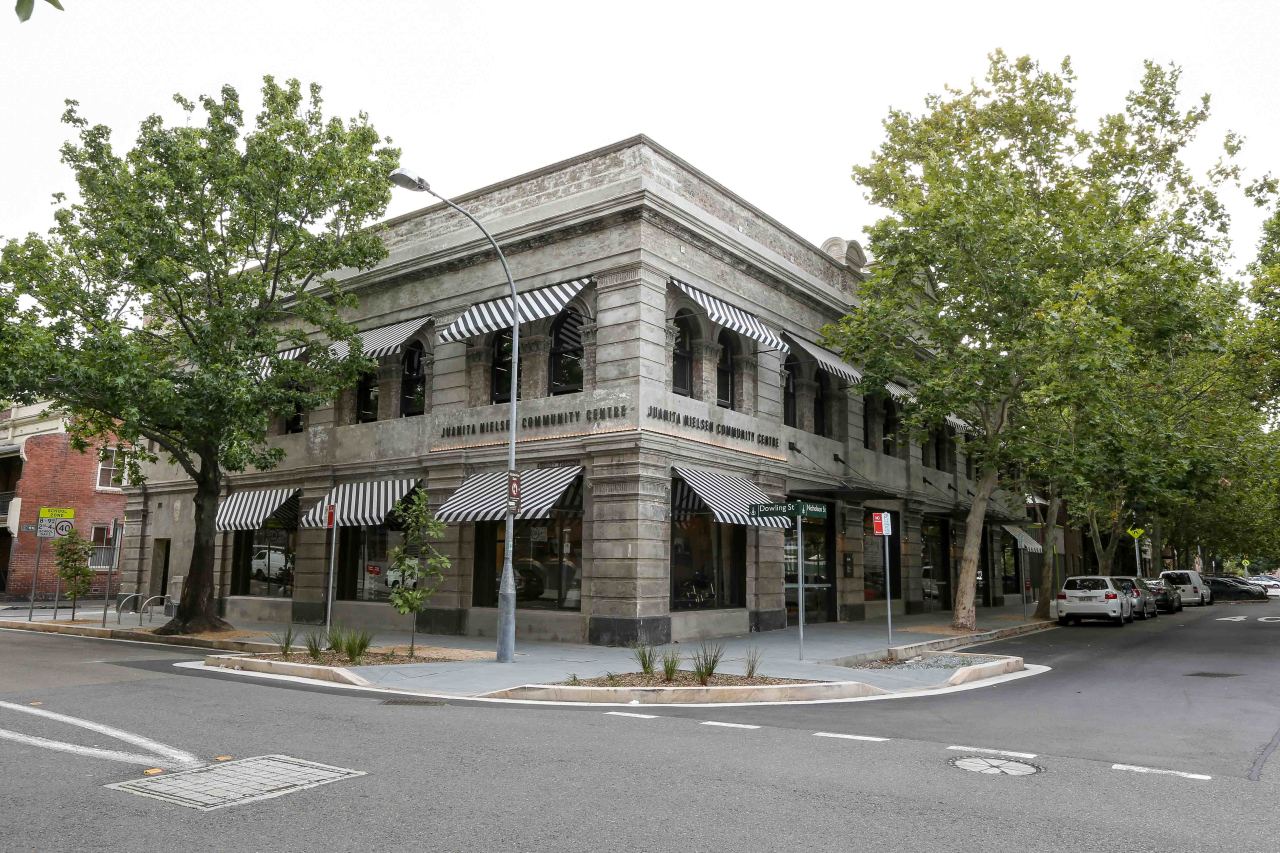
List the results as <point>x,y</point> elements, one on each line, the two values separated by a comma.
<point>147,606</point>
<point>120,606</point>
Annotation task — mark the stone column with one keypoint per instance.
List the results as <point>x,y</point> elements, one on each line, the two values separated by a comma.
<point>311,563</point>
<point>535,354</point>
<point>389,373</point>
<point>446,612</point>
<point>706,355</point>
<point>850,544</point>
<point>479,372</point>
<point>748,378</point>
<point>912,558</point>
<point>805,389</point>
<point>589,356</point>
<point>631,327</point>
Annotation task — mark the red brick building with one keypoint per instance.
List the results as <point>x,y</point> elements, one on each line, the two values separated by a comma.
<point>38,468</point>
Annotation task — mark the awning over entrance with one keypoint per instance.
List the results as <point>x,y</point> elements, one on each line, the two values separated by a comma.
<point>485,317</point>
<point>483,497</point>
<point>1025,541</point>
<point>729,498</point>
<point>250,509</point>
<point>731,317</point>
<point>384,340</point>
<point>367,502</point>
<point>827,360</point>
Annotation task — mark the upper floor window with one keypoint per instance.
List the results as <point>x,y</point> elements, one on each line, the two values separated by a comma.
<point>892,424</point>
<point>820,405</point>
<point>566,353</point>
<point>367,398</point>
<point>109,475</point>
<point>790,366</point>
<point>943,441</point>
<point>726,380</point>
<point>682,356</point>
<point>870,410</point>
<point>413,380</point>
<point>500,372</point>
<point>296,422</point>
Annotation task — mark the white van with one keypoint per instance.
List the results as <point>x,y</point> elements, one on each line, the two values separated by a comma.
<point>1193,588</point>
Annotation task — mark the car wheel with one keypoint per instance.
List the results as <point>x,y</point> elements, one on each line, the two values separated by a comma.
<point>1141,614</point>
<point>1155,612</point>
<point>1063,621</point>
<point>1119,621</point>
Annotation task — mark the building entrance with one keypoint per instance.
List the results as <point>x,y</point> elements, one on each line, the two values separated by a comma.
<point>819,571</point>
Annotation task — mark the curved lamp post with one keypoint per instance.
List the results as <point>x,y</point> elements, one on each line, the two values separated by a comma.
<point>507,587</point>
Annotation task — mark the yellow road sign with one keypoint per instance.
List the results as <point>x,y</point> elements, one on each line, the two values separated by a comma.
<point>57,512</point>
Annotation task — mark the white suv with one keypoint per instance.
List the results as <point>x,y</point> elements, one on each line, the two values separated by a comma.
<point>1094,597</point>
<point>1193,588</point>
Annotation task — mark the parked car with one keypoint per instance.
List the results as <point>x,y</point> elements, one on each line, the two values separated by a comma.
<point>1094,597</point>
<point>270,563</point>
<point>1232,589</point>
<point>1191,586</point>
<point>1167,596</point>
<point>1271,585</point>
<point>1144,600</point>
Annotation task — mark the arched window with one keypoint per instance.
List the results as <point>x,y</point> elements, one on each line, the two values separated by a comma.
<point>682,356</point>
<point>889,440</point>
<point>566,353</point>
<point>726,381</point>
<point>941,449</point>
<point>413,380</point>
<point>367,398</point>
<point>820,405</point>
<point>870,413</point>
<point>790,366</point>
<point>500,373</point>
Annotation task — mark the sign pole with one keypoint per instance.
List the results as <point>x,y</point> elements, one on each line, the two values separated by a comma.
<point>888,587</point>
<point>800,575</point>
<point>1137,560</point>
<point>117,534</point>
<point>333,556</point>
<point>35,578</point>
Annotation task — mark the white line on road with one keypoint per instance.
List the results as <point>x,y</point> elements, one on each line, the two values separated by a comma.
<point>729,725</point>
<point>90,751</point>
<point>627,714</point>
<point>1007,752</point>
<point>1137,769</point>
<point>173,758</point>
<point>850,737</point>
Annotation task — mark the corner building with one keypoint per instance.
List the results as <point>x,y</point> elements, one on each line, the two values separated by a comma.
<point>669,377</point>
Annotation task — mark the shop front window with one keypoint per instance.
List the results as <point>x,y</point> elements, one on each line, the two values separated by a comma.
<point>546,562</point>
<point>262,562</point>
<point>413,381</point>
<point>876,576</point>
<point>708,564</point>
<point>364,563</point>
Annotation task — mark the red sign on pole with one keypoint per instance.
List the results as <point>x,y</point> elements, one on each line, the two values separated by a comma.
<point>882,523</point>
<point>328,520</point>
<point>513,491</point>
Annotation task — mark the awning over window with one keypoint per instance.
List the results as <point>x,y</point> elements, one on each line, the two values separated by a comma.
<point>732,318</point>
<point>9,450</point>
<point>827,360</point>
<point>250,509</point>
<point>959,425</point>
<point>898,392</point>
<point>729,498</point>
<point>283,355</point>
<point>485,317</point>
<point>384,340</point>
<point>483,497</point>
<point>1025,541</point>
<point>367,502</point>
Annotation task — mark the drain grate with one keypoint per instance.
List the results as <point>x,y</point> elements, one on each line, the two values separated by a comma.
<point>995,766</point>
<point>236,782</point>
<point>1211,675</point>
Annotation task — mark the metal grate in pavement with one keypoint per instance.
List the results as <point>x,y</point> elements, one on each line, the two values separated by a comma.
<point>234,783</point>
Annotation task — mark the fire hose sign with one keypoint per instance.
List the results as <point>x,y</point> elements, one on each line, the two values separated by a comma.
<point>55,522</point>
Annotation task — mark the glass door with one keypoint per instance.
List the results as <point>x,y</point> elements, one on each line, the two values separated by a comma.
<point>819,572</point>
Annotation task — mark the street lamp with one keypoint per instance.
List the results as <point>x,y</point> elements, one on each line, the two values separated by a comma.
<point>507,587</point>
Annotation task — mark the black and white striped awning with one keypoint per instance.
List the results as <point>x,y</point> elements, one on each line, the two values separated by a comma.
<point>290,354</point>
<point>485,317</point>
<point>1023,538</point>
<point>368,502</point>
<point>731,317</point>
<point>483,497</point>
<point>382,341</point>
<point>729,498</point>
<point>827,360</point>
<point>251,509</point>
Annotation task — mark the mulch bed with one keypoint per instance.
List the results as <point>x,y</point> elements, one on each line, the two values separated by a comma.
<point>385,656</point>
<point>683,678</point>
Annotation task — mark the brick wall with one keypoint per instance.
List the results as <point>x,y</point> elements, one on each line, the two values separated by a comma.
<point>53,474</point>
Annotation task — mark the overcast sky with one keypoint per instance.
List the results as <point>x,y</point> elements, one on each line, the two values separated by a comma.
<point>775,100</point>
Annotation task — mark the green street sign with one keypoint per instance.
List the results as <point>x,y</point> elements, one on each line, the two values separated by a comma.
<point>789,509</point>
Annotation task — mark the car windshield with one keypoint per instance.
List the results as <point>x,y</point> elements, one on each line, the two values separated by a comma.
<point>1179,577</point>
<point>1086,584</point>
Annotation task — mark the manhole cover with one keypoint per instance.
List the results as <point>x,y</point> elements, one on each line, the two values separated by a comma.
<point>1002,766</point>
<point>1212,675</point>
<point>235,782</point>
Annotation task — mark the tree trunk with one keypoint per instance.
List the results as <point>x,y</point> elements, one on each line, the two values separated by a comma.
<point>196,611</point>
<point>964,617</point>
<point>1113,546</point>
<point>1157,549</point>
<point>1048,570</point>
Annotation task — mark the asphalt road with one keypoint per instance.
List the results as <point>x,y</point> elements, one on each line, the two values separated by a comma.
<point>483,777</point>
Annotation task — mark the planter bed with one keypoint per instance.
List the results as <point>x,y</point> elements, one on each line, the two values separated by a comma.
<point>683,678</point>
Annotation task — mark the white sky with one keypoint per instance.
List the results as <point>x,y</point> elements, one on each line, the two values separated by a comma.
<point>774,100</point>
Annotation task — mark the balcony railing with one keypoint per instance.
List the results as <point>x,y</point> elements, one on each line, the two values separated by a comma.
<point>5,499</point>
<point>102,556</point>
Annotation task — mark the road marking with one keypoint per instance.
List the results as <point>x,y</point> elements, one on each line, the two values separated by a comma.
<point>1007,752</point>
<point>176,759</point>
<point>850,737</point>
<point>1269,618</point>
<point>729,725</point>
<point>1137,769</point>
<point>626,714</point>
<point>1232,618</point>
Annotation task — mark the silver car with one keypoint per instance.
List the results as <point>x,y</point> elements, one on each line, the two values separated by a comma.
<point>1144,600</point>
<point>1094,597</point>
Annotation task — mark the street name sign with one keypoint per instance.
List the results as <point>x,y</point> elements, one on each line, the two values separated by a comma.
<point>789,509</point>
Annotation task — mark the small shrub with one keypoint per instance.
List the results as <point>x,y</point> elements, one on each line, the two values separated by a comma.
<point>705,662</point>
<point>336,638</point>
<point>670,664</point>
<point>315,645</point>
<point>611,678</point>
<point>645,656</point>
<point>573,679</point>
<point>356,644</point>
<point>753,662</point>
<point>284,641</point>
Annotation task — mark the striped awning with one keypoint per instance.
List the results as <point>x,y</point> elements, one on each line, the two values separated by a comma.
<point>483,497</point>
<point>729,498</point>
<point>382,341</point>
<point>1024,539</point>
<point>898,392</point>
<point>958,424</point>
<point>250,509</point>
<point>368,502</point>
<point>485,317</point>
<point>290,354</point>
<point>732,318</point>
<point>826,359</point>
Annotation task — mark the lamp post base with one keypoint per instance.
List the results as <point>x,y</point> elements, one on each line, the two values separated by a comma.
<point>506,626</point>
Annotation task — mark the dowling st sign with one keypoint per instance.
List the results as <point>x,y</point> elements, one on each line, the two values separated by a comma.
<point>789,509</point>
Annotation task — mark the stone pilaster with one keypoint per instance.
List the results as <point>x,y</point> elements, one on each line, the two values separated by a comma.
<point>389,373</point>
<point>912,543</point>
<point>588,332</point>
<point>748,367</point>
<point>766,599</point>
<point>311,564</point>
<point>849,563</point>
<point>805,389</point>
<point>706,354</point>
<point>631,321</point>
<point>535,364</point>
<point>479,372</point>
